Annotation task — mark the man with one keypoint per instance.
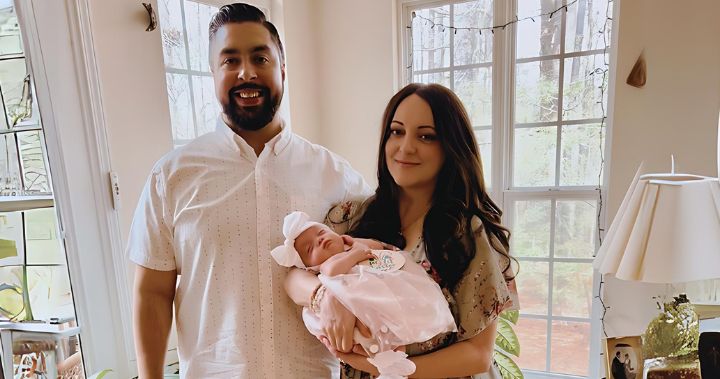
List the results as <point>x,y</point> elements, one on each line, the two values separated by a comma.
<point>211,212</point>
<point>617,368</point>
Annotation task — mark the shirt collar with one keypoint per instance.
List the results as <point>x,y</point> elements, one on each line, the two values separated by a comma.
<point>277,144</point>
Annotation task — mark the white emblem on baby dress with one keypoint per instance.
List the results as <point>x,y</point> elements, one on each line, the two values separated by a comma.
<point>387,260</point>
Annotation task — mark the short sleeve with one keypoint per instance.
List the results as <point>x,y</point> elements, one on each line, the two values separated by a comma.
<point>356,188</point>
<point>482,293</point>
<point>342,216</point>
<point>151,240</point>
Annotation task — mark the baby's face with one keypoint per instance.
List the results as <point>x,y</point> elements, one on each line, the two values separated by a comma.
<point>317,244</point>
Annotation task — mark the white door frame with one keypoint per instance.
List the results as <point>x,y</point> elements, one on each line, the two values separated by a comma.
<point>62,62</point>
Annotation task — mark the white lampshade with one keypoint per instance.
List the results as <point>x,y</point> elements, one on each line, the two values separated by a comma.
<point>667,230</point>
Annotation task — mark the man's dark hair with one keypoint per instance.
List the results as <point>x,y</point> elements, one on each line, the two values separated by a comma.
<point>241,12</point>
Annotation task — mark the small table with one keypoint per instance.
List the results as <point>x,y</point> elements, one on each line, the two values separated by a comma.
<point>49,349</point>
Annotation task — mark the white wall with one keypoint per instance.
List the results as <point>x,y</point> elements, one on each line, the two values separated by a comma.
<point>341,67</point>
<point>128,58</point>
<point>676,112</point>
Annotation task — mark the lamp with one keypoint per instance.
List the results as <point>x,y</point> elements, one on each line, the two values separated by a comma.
<point>667,230</point>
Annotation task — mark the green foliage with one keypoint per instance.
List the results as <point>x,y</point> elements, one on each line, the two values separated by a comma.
<point>508,368</point>
<point>506,338</point>
<point>511,315</point>
<point>101,374</point>
<point>507,345</point>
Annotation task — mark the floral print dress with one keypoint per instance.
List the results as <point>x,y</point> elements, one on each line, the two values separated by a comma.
<point>477,300</point>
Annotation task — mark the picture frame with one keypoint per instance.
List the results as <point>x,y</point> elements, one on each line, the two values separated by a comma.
<point>624,357</point>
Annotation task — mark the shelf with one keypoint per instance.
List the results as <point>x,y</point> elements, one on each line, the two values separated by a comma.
<point>25,203</point>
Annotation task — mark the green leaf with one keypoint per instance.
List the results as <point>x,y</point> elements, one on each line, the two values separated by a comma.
<point>511,316</point>
<point>101,374</point>
<point>508,368</point>
<point>506,338</point>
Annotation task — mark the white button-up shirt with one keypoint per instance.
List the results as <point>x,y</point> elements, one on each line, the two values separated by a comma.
<point>213,210</point>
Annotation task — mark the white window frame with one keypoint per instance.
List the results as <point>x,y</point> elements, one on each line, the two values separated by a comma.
<point>503,66</point>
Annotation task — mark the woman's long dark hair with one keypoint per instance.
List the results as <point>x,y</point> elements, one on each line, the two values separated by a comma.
<point>459,195</point>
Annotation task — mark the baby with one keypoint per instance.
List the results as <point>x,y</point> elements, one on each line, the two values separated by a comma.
<point>386,291</point>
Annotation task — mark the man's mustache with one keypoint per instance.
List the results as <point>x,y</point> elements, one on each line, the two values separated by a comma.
<point>263,90</point>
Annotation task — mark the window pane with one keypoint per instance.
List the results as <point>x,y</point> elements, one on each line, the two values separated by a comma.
<point>431,45</point>
<point>575,222</point>
<point>569,348</point>
<point>10,184</point>
<point>572,289</point>
<point>173,37</point>
<point>206,106</point>
<point>197,18</point>
<point>474,87</point>
<point>50,292</point>
<point>533,341</point>
<point>15,91</point>
<point>581,155</point>
<point>33,162</point>
<point>531,229</point>
<point>585,22</point>
<point>541,37</point>
<point>180,113</point>
<point>533,287</point>
<point>581,88</point>
<point>442,78</point>
<point>470,46</point>
<point>484,140</point>
<point>534,157</point>
<point>10,40</point>
<point>536,96</point>
<point>43,246</point>
<point>11,302</point>
<point>12,244</point>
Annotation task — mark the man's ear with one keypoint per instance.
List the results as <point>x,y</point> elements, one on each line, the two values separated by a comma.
<point>347,240</point>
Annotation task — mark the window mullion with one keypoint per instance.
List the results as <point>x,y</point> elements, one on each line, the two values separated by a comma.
<point>451,21</point>
<point>187,62</point>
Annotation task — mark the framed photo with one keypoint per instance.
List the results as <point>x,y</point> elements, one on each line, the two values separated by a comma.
<point>624,358</point>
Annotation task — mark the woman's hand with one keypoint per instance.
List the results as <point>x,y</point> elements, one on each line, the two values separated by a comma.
<point>337,323</point>
<point>357,361</point>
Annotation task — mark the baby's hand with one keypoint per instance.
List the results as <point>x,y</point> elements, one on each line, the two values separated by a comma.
<point>362,255</point>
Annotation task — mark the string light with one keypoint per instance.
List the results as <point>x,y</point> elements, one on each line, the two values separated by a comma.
<point>490,28</point>
<point>603,87</point>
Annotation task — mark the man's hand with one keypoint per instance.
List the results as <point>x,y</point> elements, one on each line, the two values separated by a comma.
<point>337,323</point>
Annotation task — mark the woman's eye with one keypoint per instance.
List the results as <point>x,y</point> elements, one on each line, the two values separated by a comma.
<point>395,132</point>
<point>428,137</point>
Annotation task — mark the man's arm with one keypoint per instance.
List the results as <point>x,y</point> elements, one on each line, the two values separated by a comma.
<point>152,316</point>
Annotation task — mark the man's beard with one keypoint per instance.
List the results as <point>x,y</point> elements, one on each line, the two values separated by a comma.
<point>251,118</point>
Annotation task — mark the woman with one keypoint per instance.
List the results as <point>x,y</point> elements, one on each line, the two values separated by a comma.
<point>431,201</point>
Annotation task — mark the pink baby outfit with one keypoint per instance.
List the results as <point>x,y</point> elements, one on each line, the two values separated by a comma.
<point>398,302</point>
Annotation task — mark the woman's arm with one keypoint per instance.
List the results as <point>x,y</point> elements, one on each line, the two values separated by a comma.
<point>469,357</point>
<point>336,321</point>
<point>300,285</point>
<point>472,356</point>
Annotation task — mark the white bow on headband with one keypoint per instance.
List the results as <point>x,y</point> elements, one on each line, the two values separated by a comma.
<point>294,224</point>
